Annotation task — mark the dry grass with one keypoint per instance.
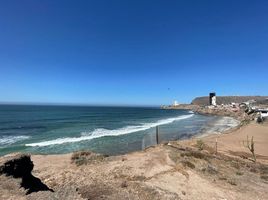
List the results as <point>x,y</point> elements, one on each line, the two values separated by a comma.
<point>239,173</point>
<point>200,144</point>
<point>137,178</point>
<point>196,154</point>
<point>264,177</point>
<point>86,157</point>
<point>187,163</point>
<point>232,181</point>
<point>229,169</point>
<point>95,191</point>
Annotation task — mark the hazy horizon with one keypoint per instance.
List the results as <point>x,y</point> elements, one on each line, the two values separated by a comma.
<point>76,104</point>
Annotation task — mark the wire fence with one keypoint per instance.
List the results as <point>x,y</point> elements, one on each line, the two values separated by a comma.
<point>151,139</point>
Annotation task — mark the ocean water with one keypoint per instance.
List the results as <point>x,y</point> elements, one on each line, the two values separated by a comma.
<point>108,130</point>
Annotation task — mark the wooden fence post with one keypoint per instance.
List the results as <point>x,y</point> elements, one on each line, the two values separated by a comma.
<point>157,136</point>
<point>216,146</point>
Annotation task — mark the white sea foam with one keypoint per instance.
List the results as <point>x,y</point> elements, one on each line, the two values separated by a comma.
<point>7,140</point>
<point>227,121</point>
<point>100,132</point>
<point>221,125</point>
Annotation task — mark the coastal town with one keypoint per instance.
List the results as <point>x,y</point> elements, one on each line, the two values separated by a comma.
<point>247,107</point>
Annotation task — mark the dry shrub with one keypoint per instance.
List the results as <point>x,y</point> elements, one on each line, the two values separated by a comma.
<point>137,178</point>
<point>264,177</point>
<point>195,154</point>
<point>253,169</point>
<point>232,182</point>
<point>181,170</point>
<point>95,191</point>
<point>124,184</point>
<point>250,144</point>
<point>86,157</point>
<point>187,163</point>
<point>235,164</point>
<point>264,172</point>
<point>200,144</point>
<point>174,155</point>
<point>211,169</point>
<point>239,173</point>
<point>222,178</point>
<point>263,169</point>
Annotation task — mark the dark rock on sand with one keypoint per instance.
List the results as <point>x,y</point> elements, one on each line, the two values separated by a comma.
<point>20,166</point>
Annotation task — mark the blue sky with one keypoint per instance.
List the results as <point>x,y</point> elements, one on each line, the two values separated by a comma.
<point>131,52</point>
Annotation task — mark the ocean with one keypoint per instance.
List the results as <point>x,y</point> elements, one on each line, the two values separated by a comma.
<point>108,130</point>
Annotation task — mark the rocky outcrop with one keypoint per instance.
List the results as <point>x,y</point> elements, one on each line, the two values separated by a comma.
<point>20,166</point>
<point>238,114</point>
<point>204,101</point>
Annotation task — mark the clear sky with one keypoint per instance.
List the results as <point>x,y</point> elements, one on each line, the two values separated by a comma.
<point>131,51</point>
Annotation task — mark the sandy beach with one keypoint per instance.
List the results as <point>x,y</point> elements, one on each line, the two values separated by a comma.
<point>174,170</point>
<point>233,143</point>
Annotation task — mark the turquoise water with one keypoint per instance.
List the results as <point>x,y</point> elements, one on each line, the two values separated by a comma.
<point>109,130</point>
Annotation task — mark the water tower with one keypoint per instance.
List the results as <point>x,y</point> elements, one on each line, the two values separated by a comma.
<point>212,99</point>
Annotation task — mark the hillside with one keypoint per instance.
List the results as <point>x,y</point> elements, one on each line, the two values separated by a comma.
<point>202,101</point>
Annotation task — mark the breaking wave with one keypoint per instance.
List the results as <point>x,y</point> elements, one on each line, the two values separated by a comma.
<point>100,132</point>
<point>7,140</point>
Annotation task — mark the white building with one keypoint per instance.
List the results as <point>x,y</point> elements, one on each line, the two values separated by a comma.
<point>212,99</point>
<point>175,103</point>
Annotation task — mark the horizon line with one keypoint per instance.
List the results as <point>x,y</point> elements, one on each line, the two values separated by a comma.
<point>75,104</point>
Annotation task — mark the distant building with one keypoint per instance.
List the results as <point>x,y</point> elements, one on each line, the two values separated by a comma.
<point>212,99</point>
<point>175,103</point>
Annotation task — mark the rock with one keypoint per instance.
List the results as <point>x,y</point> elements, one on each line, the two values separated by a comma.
<point>17,166</point>
<point>21,166</point>
<point>124,184</point>
<point>211,169</point>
